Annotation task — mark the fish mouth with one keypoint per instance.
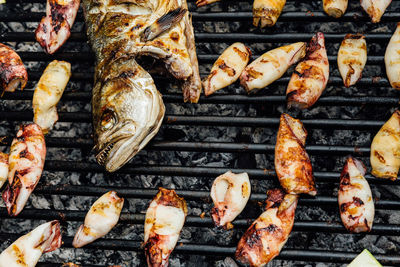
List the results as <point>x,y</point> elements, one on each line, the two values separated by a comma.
<point>102,156</point>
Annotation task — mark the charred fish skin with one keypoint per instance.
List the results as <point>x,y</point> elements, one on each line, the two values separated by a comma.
<point>267,12</point>
<point>164,221</point>
<point>267,235</point>
<point>55,28</point>
<point>127,108</point>
<point>292,163</point>
<point>122,28</point>
<point>26,161</point>
<point>13,73</point>
<point>26,250</point>
<point>355,198</point>
<point>3,168</point>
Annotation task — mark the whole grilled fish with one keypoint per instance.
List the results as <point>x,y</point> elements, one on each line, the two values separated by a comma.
<point>127,108</point>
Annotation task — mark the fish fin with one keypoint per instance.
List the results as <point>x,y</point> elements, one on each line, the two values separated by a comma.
<point>163,24</point>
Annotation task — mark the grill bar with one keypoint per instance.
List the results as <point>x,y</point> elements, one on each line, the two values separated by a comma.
<point>128,218</point>
<point>210,120</point>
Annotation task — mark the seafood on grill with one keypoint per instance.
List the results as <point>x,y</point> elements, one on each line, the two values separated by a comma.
<point>100,219</point>
<point>164,221</point>
<point>200,3</point>
<point>267,12</point>
<point>48,92</point>
<point>230,193</point>
<point>385,149</point>
<point>26,161</point>
<point>392,59</point>
<point>26,250</point>
<point>375,8</point>
<point>267,235</point>
<point>310,76</point>
<point>356,205</point>
<point>335,8</point>
<point>13,73</point>
<point>55,28</point>
<point>3,168</point>
<point>352,58</point>
<point>227,69</point>
<point>271,66</point>
<point>292,163</point>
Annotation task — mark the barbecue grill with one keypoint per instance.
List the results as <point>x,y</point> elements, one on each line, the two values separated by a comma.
<point>197,142</point>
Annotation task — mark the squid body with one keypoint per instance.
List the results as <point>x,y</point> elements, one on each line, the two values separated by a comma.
<point>267,12</point>
<point>335,8</point>
<point>392,59</point>
<point>375,8</point>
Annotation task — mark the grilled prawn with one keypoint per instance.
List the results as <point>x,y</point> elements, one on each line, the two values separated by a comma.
<point>3,168</point>
<point>267,12</point>
<point>55,28</point>
<point>385,149</point>
<point>267,235</point>
<point>101,218</point>
<point>335,8</point>
<point>375,8</point>
<point>228,67</point>
<point>230,193</point>
<point>352,58</point>
<point>164,221</point>
<point>271,66</point>
<point>310,76</point>
<point>12,71</point>
<point>26,161</point>
<point>48,92</point>
<point>392,59</point>
<point>26,250</point>
<point>292,164</point>
<point>355,198</point>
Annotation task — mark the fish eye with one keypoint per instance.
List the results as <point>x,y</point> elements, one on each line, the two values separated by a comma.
<point>108,119</point>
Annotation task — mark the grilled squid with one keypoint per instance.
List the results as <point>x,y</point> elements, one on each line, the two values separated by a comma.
<point>101,218</point>
<point>355,198</point>
<point>335,8</point>
<point>3,168</point>
<point>271,66</point>
<point>48,92</point>
<point>385,149</point>
<point>55,28</point>
<point>26,161</point>
<point>164,221</point>
<point>311,75</point>
<point>228,67</point>
<point>292,164</point>
<point>352,58</point>
<point>375,8</point>
<point>392,59</point>
<point>26,250</point>
<point>200,3</point>
<point>12,71</point>
<point>267,12</point>
<point>230,193</point>
<point>267,235</point>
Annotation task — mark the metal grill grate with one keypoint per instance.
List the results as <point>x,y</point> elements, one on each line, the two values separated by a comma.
<point>267,106</point>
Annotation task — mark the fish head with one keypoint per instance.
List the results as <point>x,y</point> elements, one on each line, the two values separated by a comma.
<point>127,115</point>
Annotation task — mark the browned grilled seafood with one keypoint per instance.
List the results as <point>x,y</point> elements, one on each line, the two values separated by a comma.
<point>310,76</point>
<point>3,168</point>
<point>230,193</point>
<point>385,156</point>
<point>267,235</point>
<point>200,3</point>
<point>227,69</point>
<point>26,250</point>
<point>352,58</point>
<point>267,12</point>
<point>12,71</point>
<point>55,28</point>
<point>355,198</point>
<point>375,8</point>
<point>164,221</point>
<point>292,164</point>
<point>26,161</point>
<point>335,8</point>
<point>392,59</point>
